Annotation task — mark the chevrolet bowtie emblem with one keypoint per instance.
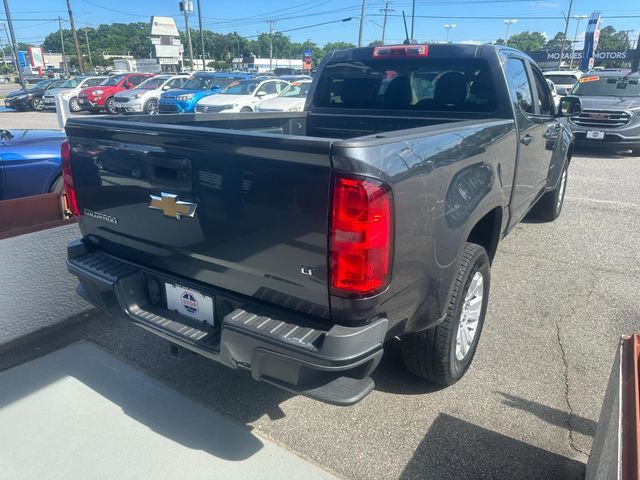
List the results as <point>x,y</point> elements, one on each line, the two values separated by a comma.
<point>171,206</point>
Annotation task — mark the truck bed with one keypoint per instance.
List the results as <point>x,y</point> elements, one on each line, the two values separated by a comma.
<point>304,124</point>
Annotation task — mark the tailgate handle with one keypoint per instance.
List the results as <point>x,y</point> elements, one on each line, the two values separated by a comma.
<point>165,171</point>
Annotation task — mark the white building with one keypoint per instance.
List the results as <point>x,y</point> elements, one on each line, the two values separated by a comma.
<point>262,64</point>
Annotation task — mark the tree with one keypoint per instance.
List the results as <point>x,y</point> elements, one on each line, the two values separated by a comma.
<point>527,41</point>
<point>331,46</point>
<point>612,40</point>
<point>555,44</point>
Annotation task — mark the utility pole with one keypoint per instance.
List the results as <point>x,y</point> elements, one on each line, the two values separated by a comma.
<point>204,66</point>
<point>270,45</point>
<point>361,24</point>
<point>566,27</point>
<point>14,45</point>
<point>65,68</point>
<point>4,58</point>
<point>88,47</point>
<point>74,34</point>
<point>386,11</point>
<point>575,37</point>
<point>413,17</point>
<point>14,60</point>
<point>187,6</point>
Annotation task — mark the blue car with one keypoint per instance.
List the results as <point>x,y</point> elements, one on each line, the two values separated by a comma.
<point>199,85</point>
<point>30,162</point>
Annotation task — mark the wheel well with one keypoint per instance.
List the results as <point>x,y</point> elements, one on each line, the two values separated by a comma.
<point>486,232</point>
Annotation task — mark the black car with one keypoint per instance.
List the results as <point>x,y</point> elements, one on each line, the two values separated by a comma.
<point>31,97</point>
<point>610,115</point>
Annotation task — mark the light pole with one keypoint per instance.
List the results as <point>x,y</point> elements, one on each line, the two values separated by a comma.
<point>508,23</point>
<point>448,27</point>
<point>575,38</point>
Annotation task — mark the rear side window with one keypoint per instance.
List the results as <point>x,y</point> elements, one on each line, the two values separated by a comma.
<point>519,84</point>
<point>137,80</point>
<point>92,82</point>
<point>424,84</point>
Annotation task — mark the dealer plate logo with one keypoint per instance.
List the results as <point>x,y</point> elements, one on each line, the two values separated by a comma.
<point>189,302</point>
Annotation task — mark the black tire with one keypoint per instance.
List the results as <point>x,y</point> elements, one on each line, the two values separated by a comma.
<point>110,106</point>
<point>151,107</point>
<point>549,206</point>
<point>57,185</point>
<point>431,354</point>
<point>246,110</point>
<point>74,106</point>
<point>37,103</point>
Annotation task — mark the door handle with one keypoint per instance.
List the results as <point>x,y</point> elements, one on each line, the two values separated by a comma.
<point>526,139</point>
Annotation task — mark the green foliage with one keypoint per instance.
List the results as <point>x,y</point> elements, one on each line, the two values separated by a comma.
<point>555,43</point>
<point>527,41</point>
<point>612,40</point>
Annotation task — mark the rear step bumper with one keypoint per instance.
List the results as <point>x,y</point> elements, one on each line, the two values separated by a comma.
<point>330,365</point>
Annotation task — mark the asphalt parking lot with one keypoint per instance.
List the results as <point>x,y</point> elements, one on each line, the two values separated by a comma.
<point>562,294</point>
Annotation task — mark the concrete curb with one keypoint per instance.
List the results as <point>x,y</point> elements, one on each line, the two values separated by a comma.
<point>36,291</point>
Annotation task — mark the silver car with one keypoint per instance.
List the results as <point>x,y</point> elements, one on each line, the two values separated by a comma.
<point>144,98</point>
<point>70,90</point>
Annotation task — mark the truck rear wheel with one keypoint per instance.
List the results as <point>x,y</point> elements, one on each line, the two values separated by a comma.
<point>549,206</point>
<point>443,354</point>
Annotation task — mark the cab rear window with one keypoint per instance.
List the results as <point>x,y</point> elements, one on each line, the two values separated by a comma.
<point>423,84</point>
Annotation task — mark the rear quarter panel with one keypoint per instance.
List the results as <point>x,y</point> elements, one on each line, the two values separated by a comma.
<point>444,180</point>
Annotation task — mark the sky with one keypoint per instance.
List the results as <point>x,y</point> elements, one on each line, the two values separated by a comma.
<point>34,19</point>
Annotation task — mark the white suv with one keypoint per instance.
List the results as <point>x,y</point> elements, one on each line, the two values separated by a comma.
<point>564,80</point>
<point>144,98</point>
<point>241,96</point>
<point>70,90</point>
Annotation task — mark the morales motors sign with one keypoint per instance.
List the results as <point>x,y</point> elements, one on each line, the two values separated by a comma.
<point>545,56</point>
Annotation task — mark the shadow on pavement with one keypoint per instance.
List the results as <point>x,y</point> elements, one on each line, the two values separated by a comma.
<point>455,449</point>
<point>551,415</point>
<point>147,401</point>
<point>391,375</point>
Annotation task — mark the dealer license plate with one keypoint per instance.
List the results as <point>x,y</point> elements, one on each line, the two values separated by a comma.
<point>595,134</point>
<point>190,303</point>
<point>81,101</point>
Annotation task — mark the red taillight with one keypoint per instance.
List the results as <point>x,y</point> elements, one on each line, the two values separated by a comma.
<point>67,176</point>
<point>360,238</point>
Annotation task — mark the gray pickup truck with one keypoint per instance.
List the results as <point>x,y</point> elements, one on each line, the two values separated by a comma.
<point>294,245</point>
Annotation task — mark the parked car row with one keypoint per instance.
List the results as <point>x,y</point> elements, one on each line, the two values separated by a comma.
<point>132,93</point>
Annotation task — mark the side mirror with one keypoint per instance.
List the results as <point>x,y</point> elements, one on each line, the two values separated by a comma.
<point>128,85</point>
<point>166,87</point>
<point>569,107</point>
<point>261,93</point>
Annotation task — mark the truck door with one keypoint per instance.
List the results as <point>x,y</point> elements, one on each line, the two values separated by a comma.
<point>532,157</point>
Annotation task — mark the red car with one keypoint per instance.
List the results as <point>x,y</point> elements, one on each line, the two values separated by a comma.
<point>101,96</point>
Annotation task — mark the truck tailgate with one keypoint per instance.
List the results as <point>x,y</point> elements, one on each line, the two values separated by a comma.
<point>259,206</point>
